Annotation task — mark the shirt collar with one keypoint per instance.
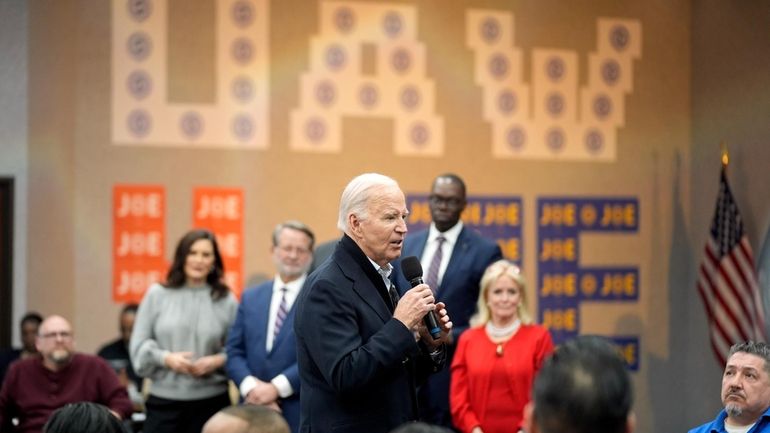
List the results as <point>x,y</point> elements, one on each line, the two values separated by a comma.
<point>384,271</point>
<point>450,235</point>
<point>293,287</point>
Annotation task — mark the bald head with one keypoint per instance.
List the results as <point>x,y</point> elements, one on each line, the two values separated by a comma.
<point>246,419</point>
<point>224,423</point>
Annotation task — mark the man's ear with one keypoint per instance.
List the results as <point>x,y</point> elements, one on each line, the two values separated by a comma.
<point>528,421</point>
<point>354,223</point>
<point>631,422</point>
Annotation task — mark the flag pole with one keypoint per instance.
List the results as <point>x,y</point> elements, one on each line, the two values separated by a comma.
<point>725,155</point>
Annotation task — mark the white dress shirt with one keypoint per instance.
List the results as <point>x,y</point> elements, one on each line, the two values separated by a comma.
<point>451,236</point>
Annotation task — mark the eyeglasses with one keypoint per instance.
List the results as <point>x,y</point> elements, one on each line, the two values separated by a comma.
<point>299,250</point>
<point>437,200</point>
<point>64,335</point>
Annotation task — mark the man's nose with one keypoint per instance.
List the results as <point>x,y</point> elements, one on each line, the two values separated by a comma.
<point>402,226</point>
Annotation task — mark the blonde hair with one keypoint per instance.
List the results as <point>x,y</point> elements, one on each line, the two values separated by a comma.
<point>493,272</point>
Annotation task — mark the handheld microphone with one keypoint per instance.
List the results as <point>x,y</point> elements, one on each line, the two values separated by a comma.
<point>412,270</point>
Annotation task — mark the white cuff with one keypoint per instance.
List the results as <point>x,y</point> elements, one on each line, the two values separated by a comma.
<point>281,383</point>
<point>247,384</point>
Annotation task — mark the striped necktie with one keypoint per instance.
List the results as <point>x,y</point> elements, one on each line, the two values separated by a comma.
<point>280,316</point>
<point>435,264</point>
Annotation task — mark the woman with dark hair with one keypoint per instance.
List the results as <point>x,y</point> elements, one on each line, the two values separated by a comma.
<point>497,358</point>
<point>83,417</point>
<point>179,335</point>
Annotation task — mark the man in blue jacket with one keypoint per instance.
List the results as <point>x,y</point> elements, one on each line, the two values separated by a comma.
<point>261,348</point>
<point>745,391</point>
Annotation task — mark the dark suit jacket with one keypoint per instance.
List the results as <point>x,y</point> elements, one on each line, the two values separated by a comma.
<point>246,354</point>
<point>459,290</point>
<point>116,354</point>
<point>358,365</point>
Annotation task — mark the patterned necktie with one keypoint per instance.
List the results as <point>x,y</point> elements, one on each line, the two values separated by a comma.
<point>435,264</point>
<point>392,292</point>
<point>393,295</point>
<point>280,316</point>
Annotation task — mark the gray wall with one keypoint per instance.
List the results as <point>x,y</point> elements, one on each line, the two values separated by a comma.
<point>13,137</point>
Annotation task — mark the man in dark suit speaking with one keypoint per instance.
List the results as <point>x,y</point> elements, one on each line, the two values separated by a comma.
<point>361,350</point>
<point>454,257</point>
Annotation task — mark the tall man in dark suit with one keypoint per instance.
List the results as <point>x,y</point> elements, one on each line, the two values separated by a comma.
<point>361,350</point>
<point>454,258</point>
<point>261,348</point>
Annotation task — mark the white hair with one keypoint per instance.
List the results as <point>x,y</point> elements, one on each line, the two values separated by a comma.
<point>355,198</point>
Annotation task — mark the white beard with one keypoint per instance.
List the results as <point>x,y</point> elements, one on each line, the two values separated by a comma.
<point>60,356</point>
<point>733,410</point>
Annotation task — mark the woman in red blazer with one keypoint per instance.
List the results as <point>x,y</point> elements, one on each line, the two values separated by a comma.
<point>497,359</point>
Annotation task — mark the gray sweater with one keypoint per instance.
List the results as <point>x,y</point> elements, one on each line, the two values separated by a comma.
<point>181,320</point>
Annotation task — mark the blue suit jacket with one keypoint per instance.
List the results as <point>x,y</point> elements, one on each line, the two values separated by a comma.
<point>459,290</point>
<point>359,366</point>
<point>246,354</point>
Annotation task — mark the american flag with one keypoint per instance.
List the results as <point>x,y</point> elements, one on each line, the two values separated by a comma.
<point>727,281</point>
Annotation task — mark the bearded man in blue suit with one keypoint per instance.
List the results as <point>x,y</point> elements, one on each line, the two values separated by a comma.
<point>261,348</point>
<point>464,255</point>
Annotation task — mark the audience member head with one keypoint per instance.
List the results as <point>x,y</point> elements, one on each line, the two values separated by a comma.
<point>746,382</point>
<point>582,388</point>
<point>127,317</point>
<point>447,201</point>
<point>197,261</point>
<point>246,419</point>
<point>420,427</point>
<point>292,249</point>
<point>55,342</point>
<point>373,213</point>
<point>501,275</point>
<point>29,326</point>
<point>83,417</point>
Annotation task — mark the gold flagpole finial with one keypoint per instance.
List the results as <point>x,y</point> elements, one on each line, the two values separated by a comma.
<point>725,154</point>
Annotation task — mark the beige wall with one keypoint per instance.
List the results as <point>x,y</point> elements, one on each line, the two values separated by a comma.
<point>678,112</point>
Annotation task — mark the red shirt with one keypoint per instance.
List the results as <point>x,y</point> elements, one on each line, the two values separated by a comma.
<point>477,391</point>
<point>32,392</point>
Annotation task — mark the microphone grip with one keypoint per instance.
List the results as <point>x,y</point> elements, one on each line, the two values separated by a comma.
<point>430,319</point>
<point>431,322</point>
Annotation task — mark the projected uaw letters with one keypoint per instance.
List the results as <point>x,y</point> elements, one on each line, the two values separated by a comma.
<point>550,119</point>
<point>562,283</point>
<point>141,113</point>
<point>346,80</point>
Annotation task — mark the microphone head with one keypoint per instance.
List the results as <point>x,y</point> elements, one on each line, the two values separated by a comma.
<point>411,268</point>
